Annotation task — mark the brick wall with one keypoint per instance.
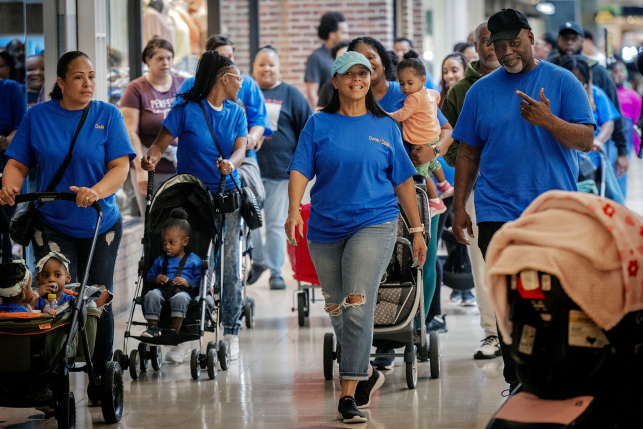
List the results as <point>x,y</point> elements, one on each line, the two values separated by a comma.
<point>126,270</point>
<point>291,27</point>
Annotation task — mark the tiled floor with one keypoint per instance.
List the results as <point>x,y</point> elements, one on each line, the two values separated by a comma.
<point>278,382</point>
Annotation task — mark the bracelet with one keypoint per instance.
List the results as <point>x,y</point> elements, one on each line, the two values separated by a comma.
<point>418,229</point>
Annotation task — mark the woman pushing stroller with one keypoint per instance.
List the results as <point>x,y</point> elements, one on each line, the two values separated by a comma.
<point>216,86</point>
<point>355,151</point>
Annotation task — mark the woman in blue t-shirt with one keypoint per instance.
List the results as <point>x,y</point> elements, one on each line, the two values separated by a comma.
<point>355,151</point>
<point>99,166</point>
<point>216,86</point>
<point>390,97</point>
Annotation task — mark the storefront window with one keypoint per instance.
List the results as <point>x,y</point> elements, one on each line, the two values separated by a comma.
<point>117,50</point>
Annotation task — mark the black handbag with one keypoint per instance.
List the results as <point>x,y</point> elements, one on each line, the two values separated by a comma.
<point>23,221</point>
<point>250,210</point>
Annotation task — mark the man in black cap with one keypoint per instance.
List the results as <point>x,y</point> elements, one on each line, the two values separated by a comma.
<point>570,42</point>
<point>520,128</point>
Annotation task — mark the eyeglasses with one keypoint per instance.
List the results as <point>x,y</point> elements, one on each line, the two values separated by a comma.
<point>238,76</point>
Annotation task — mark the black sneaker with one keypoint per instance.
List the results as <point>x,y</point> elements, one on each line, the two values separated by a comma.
<point>366,388</point>
<point>277,283</point>
<point>348,411</point>
<point>255,272</point>
<point>152,331</point>
<point>438,324</point>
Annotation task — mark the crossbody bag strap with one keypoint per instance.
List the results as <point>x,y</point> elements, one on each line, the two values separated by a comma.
<point>216,142</point>
<point>179,270</point>
<point>61,171</point>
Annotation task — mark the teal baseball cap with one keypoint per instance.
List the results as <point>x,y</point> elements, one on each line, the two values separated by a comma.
<point>349,59</point>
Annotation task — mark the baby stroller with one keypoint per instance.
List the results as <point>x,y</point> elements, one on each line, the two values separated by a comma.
<point>574,373</point>
<point>189,193</point>
<point>399,313</point>
<point>38,353</point>
<point>304,272</point>
<point>245,256</point>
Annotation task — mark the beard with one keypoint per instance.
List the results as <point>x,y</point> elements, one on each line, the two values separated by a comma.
<point>515,69</point>
<point>564,53</point>
<point>493,64</point>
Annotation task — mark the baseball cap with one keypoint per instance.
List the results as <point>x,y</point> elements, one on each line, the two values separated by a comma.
<point>349,59</point>
<point>572,26</point>
<point>506,25</point>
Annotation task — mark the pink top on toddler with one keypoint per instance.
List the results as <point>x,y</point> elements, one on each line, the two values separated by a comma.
<point>420,117</point>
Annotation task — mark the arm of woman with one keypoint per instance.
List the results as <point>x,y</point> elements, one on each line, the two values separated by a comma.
<point>163,140</point>
<point>296,188</point>
<point>255,137</point>
<point>604,134</point>
<point>13,177</point>
<point>422,154</point>
<point>406,196</point>
<point>116,174</point>
<point>237,157</point>
<point>132,117</point>
<point>5,141</point>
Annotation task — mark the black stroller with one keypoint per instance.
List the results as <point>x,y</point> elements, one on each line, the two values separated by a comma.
<point>189,193</point>
<point>399,313</point>
<point>39,352</point>
<point>573,374</point>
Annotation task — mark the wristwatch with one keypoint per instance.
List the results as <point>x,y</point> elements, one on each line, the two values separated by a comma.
<point>418,229</point>
<point>436,150</point>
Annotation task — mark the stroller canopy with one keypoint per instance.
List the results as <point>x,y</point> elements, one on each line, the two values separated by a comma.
<point>593,245</point>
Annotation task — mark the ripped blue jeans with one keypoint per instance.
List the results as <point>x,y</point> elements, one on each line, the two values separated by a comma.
<point>101,273</point>
<point>353,267</point>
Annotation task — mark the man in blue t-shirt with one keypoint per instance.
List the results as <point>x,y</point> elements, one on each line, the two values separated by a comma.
<point>520,128</point>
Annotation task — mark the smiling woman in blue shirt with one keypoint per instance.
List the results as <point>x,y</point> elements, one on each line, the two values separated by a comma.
<point>216,86</point>
<point>355,151</point>
<point>99,166</point>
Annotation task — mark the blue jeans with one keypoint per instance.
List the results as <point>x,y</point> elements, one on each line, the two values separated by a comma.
<point>154,301</point>
<point>101,273</point>
<point>231,291</point>
<point>354,266</point>
<point>270,251</point>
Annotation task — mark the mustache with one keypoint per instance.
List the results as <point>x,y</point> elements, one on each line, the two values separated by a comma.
<point>511,57</point>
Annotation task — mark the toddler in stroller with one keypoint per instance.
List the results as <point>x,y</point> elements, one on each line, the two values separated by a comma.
<point>177,275</point>
<point>15,287</point>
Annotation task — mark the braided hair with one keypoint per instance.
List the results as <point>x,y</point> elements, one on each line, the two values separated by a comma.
<point>412,61</point>
<point>11,274</point>
<point>209,70</point>
<point>385,56</point>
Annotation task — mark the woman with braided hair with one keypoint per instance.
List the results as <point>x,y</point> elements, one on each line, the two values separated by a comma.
<point>215,88</point>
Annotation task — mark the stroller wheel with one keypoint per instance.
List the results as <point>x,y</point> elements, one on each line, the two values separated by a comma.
<point>224,355</point>
<point>211,345</point>
<point>249,313</point>
<point>412,373</point>
<point>329,358</point>
<point>301,309</point>
<point>157,357</point>
<point>134,364</point>
<point>195,365</point>
<point>66,411</point>
<point>434,354</point>
<point>119,357</point>
<point>112,400</point>
<point>142,356</point>
<point>212,363</point>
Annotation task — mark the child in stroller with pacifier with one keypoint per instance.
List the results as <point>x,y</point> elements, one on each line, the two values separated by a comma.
<point>15,287</point>
<point>176,274</point>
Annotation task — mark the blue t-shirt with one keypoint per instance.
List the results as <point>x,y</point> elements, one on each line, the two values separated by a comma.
<point>605,110</point>
<point>12,106</point>
<point>250,97</point>
<point>191,271</point>
<point>12,308</point>
<point>429,80</point>
<point>520,161</point>
<point>43,139</point>
<point>357,161</point>
<point>197,153</point>
<point>40,304</point>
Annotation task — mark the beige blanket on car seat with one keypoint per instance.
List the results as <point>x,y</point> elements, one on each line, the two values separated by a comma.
<point>593,245</point>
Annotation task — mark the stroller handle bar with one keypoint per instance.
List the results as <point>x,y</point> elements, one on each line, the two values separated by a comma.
<point>43,197</point>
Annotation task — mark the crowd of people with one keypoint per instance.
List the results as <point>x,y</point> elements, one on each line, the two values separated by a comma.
<point>507,120</point>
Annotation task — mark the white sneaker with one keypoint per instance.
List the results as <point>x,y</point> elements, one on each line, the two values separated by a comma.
<point>489,349</point>
<point>233,341</point>
<point>175,354</point>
